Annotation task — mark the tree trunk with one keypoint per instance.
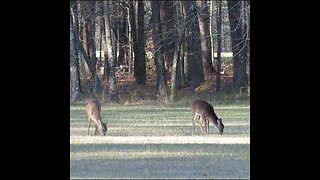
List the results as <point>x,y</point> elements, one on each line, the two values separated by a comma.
<point>111,57</point>
<point>168,31</point>
<point>158,52</point>
<point>238,45</point>
<point>88,16</point>
<point>92,46</point>
<point>175,67</point>
<point>180,59</point>
<point>212,32</point>
<point>123,37</point>
<point>140,61</point>
<point>219,45</point>
<point>193,52</point>
<point>74,63</point>
<point>204,21</point>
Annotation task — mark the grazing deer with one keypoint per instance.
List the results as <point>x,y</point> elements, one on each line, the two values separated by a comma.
<point>204,112</point>
<point>93,110</point>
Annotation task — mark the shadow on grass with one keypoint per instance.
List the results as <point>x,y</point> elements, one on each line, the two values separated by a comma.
<point>225,148</point>
<point>172,167</point>
<point>160,161</point>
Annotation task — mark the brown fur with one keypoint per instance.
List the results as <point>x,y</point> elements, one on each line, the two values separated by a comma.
<point>205,113</point>
<point>93,110</point>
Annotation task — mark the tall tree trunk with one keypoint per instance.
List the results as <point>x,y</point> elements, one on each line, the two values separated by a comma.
<point>111,57</point>
<point>212,32</point>
<point>92,46</point>
<point>83,42</point>
<point>102,43</point>
<point>246,30</point>
<point>238,45</point>
<point>180,59</point>
<point>74,63</point>
<point>248,39</point>
<point>140,61</point>
<point>133,31</point>
<point>158,52</point>
<point>113,34</point>
<point>129,49</point>
<point>177,73</point>
<point>168,19</point>
<point>123,37</point>
<point>219,44</point>
<point>225,28</point>
<point>175,66</point>
<point>193,47</point>
<point>204,22</point>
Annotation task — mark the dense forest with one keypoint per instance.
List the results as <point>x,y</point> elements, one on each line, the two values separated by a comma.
<point>176,44</point>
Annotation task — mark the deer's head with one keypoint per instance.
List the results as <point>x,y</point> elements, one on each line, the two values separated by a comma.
<point>220,125</point>
<point>103,128</point>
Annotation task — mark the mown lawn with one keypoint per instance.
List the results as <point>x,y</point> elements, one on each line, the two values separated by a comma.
<point>156,142</point>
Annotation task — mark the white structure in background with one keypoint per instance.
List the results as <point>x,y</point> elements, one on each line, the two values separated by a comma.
<point>226,54</point>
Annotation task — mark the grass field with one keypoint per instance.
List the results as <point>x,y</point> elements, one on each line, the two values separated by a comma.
<point>157,142</point>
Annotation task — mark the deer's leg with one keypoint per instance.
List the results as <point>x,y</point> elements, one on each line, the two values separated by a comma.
<point>89,124</point>
<point>203,119</point>
<point>96,130</point>
<point>193,123</point>
<point>207,122</point>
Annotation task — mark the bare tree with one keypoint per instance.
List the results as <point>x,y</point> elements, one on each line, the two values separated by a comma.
<point>123,35</point>
<point>92,45</point>
<point>158,52</point>
<point>238,37</point>
<point>138,42</point>
<point>180,78</point>
<point>193,53</point>
<point>74,63</point>
<point>88,47</point>
<point>204,17</point>
<point>111,57</point>
<point>175,65</point>
<point>139,60</point>
<point>168,19</point>
<point>218,3</point>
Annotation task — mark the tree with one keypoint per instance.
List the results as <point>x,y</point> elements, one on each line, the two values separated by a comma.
<point>158,52</point>
<point>74,63</point>
<point>193,53</point>
<point>92,45</point>
<point>178,33</point>
<point>219,17</point>
<point>111,58</point>
<point>180,73</point>
<point>139,60</point>
<point>168,19</point>
<point>87,48</point>
<point>138,42</point>
<point>175,65</point>
<point>204,22</point>
<point>238,37</point>
<point>123,37</point>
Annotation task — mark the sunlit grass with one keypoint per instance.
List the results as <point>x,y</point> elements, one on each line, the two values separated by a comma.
<point>157,142</point>
<point>155,120</point>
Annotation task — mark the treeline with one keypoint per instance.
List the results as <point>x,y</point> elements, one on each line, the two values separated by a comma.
<point>178,37</point>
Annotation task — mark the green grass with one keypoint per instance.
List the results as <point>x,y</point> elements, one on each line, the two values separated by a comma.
<point>157,142</point>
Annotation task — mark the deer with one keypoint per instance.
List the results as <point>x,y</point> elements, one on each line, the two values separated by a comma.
<point>204,111</point>
<point>93,110</point>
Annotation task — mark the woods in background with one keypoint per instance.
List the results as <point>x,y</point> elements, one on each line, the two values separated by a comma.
<point>177,39</point>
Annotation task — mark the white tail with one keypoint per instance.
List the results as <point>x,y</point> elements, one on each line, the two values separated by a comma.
<point>93,110</point>
<point>204,112</point>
